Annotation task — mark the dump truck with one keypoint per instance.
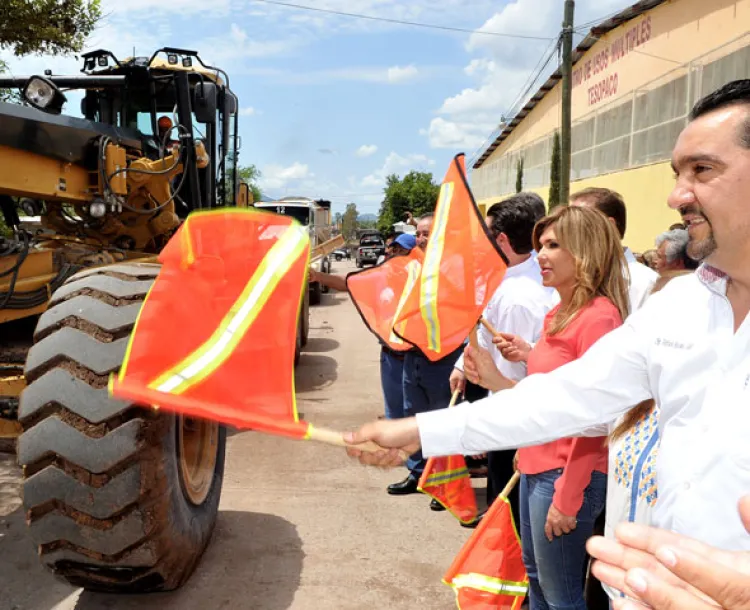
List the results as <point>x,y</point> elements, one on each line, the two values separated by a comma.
<point>118,497</point>
<point>315,214</point>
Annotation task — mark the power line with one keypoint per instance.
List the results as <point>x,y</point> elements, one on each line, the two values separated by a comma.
<point>431,26</point>
<point>549,53</point>
<point>594,22</point>
<point>536,72</point>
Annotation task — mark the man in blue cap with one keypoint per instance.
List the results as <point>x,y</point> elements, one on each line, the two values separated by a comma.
<point>402,245</point>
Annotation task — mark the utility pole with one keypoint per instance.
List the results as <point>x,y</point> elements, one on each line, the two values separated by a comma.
<point>567,94</point>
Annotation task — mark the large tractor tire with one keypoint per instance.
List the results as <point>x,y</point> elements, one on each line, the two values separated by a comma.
<point>303,327</point>
<point>326,266</point>
<point>119,497</point>
<point>316,292</point>
<point>305,319</point>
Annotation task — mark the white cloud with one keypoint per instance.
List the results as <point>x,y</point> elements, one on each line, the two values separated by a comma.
<point>248,111</point>
<point>466,136</point>
<point>501,69</point>
<point>237,44</point>
<point>397,164</point>
<point>366,74</point>
<point>280,177</point>
<point>397,74</point>
<point>366,150</point>
<point>149,7</point>
<point>447,12</point>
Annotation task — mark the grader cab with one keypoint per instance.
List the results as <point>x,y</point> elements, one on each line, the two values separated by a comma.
<point>118,497</point>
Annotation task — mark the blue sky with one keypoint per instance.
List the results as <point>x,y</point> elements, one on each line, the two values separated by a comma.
<point>329,104</point>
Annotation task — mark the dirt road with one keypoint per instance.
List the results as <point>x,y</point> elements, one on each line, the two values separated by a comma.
<point>300,526</point>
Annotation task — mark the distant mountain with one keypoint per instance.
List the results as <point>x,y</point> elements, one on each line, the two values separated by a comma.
<point>367,217</point>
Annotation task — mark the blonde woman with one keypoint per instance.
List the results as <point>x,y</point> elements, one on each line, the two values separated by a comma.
<point>563,487</point>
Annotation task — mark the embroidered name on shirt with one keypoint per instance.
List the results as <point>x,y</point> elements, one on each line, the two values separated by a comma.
<point>673,344</point>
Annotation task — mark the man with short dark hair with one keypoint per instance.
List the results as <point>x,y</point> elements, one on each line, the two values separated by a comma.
<point>688,349</point>
<point>518,308</point>
<point>612,205</point>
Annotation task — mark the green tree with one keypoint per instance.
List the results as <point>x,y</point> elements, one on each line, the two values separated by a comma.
<point>349,222</point>
<point>416,193</point>
<point>251,175</point>
<point>519,175</point>
<point>47,26</point>
<point>554,175</point>
<point>8,95</point>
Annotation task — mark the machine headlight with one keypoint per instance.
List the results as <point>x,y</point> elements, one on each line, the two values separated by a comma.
<point>43,94</point>
<point>98,209</point>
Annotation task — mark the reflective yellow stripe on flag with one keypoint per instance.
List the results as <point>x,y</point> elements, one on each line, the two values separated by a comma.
<point>187,245</point>
<point>480,582</point>
<point>216,350</point>
<point>413,269</point>
<point>428,296</point>
<point>446,476</point>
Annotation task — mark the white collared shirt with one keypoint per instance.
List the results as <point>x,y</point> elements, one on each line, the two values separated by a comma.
<point>518,307</point>
<point>681,350</point>
<point>642,280</point>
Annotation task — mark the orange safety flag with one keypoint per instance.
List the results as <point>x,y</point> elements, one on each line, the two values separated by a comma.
<point>488,572</point>
<point>216,335</point>
<point>447,480</point>
<point>462,268</point>
<point>379,294</point>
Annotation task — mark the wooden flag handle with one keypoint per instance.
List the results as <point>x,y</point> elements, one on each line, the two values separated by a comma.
<point>510,485</point>
<point>473,339</point>
<point>332,437</point>
<point>493,331</point>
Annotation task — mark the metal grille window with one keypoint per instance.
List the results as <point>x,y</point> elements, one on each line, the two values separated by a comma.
<point>656,144</point>
<point>582,142</point>
<point>613,129</point>
<point>635,130</point>
<point>537,163</point>
<point>660,115</point>
<point>732,67</point>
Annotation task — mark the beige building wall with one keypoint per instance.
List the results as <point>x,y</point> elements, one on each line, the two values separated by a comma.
<point>632,92</point>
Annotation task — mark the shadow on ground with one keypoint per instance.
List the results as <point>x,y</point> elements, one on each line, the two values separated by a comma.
<point>318,345</point>
<point>254,562</point>
<point>331,298</point>
<point>315,372</point>
<point>26,585</point>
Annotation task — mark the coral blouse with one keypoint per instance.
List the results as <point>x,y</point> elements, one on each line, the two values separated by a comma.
<point>578,457</point>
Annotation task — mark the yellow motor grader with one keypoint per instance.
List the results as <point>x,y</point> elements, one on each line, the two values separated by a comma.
<point>117,497</point>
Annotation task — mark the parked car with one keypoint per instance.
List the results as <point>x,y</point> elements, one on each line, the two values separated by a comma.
<point>339,255</point>
<point>370,248</point>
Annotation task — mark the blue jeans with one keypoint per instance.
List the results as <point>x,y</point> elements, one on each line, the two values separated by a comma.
<point>392,380</point>
<point>426,388</point>
<point>556,569</point>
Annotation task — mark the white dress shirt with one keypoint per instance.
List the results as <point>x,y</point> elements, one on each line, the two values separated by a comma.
<point>642,280</point>
<point>517,307</point>
<point>680,349</point>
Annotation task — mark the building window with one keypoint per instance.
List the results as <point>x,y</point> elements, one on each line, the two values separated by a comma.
<point>635,130</point>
